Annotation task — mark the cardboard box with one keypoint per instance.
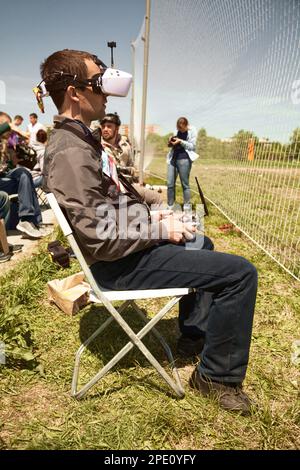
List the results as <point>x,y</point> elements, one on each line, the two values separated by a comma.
<point>69,294</point>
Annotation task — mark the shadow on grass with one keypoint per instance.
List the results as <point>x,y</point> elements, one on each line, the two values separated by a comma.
<point>113,339</point>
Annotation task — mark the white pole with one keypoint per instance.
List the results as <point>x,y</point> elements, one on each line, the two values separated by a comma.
<point>132,101</point>
<point>145,82</point>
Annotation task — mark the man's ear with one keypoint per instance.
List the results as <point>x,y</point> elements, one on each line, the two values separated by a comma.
<point>72,94</point>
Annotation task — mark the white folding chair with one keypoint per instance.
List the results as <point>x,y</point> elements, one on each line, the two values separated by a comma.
<point>42,197</point>
<point>106,297</point>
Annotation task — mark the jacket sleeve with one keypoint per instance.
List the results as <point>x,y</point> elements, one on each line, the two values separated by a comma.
<point>98,223</point>
<point>190,144</point>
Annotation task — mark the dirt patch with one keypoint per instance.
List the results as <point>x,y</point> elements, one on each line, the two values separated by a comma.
<point>34,403</point>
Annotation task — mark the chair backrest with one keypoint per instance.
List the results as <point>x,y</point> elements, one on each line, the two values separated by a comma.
<point>64,225</point>
<point>68,232</point>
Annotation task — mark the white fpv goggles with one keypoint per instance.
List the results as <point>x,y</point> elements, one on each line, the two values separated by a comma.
<point>115,82</point>
<point>111,82</point>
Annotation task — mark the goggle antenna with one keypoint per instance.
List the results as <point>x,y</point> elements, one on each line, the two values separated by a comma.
<point>112,44</point>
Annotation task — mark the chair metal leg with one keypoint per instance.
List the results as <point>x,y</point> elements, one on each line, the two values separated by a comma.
<point>135,340</point>
<point>163,342</point>
<point>84,345</point>
<point>42,198</point>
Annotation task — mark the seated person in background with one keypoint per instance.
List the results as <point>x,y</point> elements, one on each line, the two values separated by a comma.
<point>116,144</point>
<point>5,129</point>
<point>19,181</point>
<point>6,125</point>
<point>17,135</point>
<point>118,147</point>
<point>6,249</point>
<point>33,127</point>
<point>11,136</point>
<point>5,255</point>
<point>40,147</point>
<point>22,155</point>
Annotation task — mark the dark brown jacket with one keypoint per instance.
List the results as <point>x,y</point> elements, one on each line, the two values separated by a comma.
<point>73,172</point>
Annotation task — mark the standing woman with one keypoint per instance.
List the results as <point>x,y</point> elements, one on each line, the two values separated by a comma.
<point>180,158</point>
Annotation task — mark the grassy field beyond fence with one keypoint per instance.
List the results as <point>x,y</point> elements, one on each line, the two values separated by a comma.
<point>261,197</point>
<point>131,408</point>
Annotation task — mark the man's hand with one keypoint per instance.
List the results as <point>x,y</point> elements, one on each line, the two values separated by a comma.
<point>157,216</point>
<point>176,231</point>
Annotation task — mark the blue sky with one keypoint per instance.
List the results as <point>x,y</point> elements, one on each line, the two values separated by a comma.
<point>224,64</point>
<point>32,30</point>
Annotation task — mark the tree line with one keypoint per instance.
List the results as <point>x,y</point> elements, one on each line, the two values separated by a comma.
<point>238,147</point>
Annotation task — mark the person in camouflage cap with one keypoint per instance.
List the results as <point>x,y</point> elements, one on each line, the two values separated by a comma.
<point>115,144</point>
<point>118,146</point>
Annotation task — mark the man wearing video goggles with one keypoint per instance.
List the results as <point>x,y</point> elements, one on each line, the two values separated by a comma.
<point>86,184</point>
<point>107,81</point>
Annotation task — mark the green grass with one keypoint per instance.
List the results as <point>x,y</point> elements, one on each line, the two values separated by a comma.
<point>260,197</point>
<point>132,408</point>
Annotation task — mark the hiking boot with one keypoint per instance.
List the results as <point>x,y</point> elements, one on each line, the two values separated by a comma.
<point>29,229</point>
<point>187,347</point>
<point>4,258</point>
<point>15,248</point>
<point>230,397</point>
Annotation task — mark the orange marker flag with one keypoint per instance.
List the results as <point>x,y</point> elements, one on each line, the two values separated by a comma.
<point>251,150</point>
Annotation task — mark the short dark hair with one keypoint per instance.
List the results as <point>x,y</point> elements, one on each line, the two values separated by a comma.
<point>182,120</point>
<point>68,61</point>
<point>5,115</point>
<point>111,117</point>
<point>18,117</point>
<point>33,115</point>
<point>41,136</point>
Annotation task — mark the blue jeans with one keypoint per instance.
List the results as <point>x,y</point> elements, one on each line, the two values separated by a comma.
<point>38,181</point>
<point>20,181</point>
<point>231,282</point>
<point>183,167</point>
<point>4,206</point>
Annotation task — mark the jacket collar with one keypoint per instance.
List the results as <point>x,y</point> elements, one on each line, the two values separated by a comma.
<point>79,125</point>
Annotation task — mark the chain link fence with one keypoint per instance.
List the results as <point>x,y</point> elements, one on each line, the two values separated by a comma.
<point>232,67</point>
